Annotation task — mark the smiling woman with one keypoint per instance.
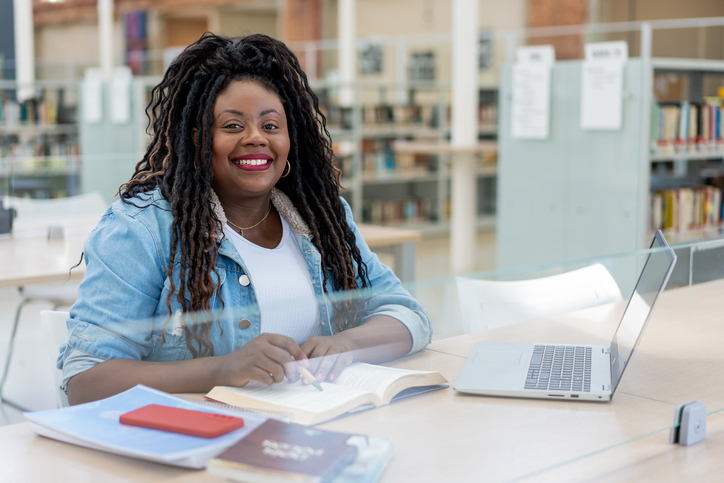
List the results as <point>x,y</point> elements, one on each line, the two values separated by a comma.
<point>233,217</point>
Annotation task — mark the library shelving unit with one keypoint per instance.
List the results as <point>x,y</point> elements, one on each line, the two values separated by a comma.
<point>386,182</point>
<point>687,149</point>
<point>394,164</point>
<point>39,146</point>
<point>583,193</point>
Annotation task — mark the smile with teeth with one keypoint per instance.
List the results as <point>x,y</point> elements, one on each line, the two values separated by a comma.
<point>251,162</point>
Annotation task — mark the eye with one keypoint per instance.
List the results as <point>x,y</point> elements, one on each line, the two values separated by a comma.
<point>232,125</point>
<point>270,125</point>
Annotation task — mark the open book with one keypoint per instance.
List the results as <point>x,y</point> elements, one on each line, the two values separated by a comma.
<point>359,386</point>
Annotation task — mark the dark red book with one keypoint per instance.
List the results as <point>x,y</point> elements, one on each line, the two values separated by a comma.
<point>278,452</point>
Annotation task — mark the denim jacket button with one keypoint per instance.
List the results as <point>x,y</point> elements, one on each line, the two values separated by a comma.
<point>244,324</point>
<point>244,280</point>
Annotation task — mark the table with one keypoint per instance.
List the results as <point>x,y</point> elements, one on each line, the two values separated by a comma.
<point>29,257</point>
<point>32,260</point>
<point>401,243</point>
<point>446,436</point>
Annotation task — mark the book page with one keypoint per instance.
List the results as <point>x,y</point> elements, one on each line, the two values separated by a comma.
<point>299,396</point>
<point>371,378</point>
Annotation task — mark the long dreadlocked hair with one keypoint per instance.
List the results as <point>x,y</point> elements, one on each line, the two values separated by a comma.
<point>181,167</point>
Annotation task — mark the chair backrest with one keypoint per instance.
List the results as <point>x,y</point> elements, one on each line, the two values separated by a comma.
<point>485,304</point>
<point>55,333</point>
<point>87,208</point>
<point>85,204</point>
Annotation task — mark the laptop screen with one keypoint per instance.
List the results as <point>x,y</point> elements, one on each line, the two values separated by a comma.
<point>651,283</point>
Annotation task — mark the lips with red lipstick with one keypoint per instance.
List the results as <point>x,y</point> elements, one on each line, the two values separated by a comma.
<point>253,162</point>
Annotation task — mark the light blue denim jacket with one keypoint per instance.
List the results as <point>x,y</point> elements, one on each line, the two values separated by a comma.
<point>121,307</point>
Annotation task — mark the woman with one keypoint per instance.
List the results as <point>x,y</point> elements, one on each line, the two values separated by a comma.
<point>229,253</point>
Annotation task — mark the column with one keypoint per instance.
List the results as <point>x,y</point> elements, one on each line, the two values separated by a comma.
<point>346,50</point>
<point>24,49</point>
<point>105,37</point>
<point>464,134</point>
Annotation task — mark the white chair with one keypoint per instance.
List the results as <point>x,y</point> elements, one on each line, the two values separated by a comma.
<point>55,333</point>
<point>55,208</point>
<point>87,207</point>
<point>486,304</point>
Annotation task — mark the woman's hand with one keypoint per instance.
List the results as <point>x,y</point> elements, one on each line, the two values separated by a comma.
<point>267,359</point>
<point>328,356</point>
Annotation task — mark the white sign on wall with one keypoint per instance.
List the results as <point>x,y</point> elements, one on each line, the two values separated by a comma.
<point>92,92</point>
<point>531,93</point>
<point>120,95</point>
<point>602,85</point>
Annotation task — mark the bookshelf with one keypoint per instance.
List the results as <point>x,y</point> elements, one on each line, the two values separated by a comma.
<point>686,149</point>
<point>582,194</point>
<point>393,159</point>
<point>39,141</point>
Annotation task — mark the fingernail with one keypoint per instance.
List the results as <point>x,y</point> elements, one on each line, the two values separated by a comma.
<point>304,362</point>
<point>320,378</point>
<point>332,377</point>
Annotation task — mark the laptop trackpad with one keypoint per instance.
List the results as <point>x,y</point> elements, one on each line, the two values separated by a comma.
<point>509,358</point>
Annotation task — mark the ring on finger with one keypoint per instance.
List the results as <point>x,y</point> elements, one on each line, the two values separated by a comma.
<point>271,375</point>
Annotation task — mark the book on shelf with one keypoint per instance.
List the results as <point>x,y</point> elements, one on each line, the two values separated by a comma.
<point>359,386</point>
<point>688,127</point>
<point>277,452</point>
<point>682,209</point>
<point>96,425</point>
<point>30,112</point>
<point>395,212</point>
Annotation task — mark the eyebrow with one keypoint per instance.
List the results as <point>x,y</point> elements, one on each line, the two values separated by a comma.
<point>241,114</point>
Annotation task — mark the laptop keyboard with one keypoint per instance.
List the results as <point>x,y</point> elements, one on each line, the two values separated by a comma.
<point>560,368</point>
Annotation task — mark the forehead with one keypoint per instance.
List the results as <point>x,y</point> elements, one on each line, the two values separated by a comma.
<point>247,95</point>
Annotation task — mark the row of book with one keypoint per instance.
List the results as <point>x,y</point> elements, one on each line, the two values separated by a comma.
<point>13,113</point>
<point>378,157</point>
<point>402,115</point>
<point>682,209</point>
<point>395,212</point>
<point>42,153</point>
<point>687,127</point>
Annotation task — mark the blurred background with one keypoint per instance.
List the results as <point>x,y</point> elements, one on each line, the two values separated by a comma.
<point>427,102</point>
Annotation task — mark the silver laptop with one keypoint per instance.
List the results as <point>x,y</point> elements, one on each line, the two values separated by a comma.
<point>566,371</point>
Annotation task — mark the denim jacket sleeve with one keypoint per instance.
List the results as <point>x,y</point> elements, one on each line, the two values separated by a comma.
<point>119,294</point>
<point>388,297</point>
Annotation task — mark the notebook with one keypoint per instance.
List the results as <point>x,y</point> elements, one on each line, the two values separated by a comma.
<point>568,371</point>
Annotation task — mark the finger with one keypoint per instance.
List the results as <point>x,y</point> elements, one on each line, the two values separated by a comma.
<point>289,345</point>
<point>326,364</point>
<point>343,360</point>
<point>274,377</point>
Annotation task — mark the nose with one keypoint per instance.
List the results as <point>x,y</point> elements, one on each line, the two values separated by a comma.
<point>253,136</point>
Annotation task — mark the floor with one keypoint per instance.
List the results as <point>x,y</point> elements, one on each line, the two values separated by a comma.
<point>30,382</point>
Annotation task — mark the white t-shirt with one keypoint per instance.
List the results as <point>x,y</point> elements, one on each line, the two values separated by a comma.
<point>282,284</point>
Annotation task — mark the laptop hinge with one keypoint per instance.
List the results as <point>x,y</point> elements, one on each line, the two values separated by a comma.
<point>605,350</point>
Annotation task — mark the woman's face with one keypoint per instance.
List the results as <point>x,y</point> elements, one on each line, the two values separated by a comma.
<point>250,140</point>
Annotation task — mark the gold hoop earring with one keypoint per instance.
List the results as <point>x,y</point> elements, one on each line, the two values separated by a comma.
<point>288,171</point>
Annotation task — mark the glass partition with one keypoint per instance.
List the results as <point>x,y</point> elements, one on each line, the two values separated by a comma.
<point>583,302</point>
<point>125,310</point>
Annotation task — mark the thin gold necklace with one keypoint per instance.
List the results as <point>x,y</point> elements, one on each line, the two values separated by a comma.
<point>241,230</point>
